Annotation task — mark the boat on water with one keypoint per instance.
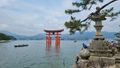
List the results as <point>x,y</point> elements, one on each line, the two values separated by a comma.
<point>21,45</point>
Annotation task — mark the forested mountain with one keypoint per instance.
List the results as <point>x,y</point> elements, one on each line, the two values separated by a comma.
<point>76,36</point>
<point>6,37</point>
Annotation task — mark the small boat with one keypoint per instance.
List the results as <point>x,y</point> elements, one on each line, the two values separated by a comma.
<point>23,45</point>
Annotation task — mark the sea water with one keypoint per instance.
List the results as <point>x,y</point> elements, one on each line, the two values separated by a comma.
<point>37,55</point>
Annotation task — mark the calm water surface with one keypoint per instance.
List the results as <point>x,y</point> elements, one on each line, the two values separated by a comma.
<point>36,55</point>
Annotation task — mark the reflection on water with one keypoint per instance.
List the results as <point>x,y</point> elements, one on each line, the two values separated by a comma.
<point>57,48</point>
<point>38,55</point>
<point>53,56</point>
<point>49,47</point>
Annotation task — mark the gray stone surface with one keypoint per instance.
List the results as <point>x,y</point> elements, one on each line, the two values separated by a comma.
<point>106,61</point>
<point>117,58</point>
<point>117,65</point>
<point>100,48</point>
<point>84,53</point>
<point>83,63</point>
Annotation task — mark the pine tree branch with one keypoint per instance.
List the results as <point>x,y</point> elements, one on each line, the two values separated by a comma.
<point>105,6</point>
<point>97,11</point>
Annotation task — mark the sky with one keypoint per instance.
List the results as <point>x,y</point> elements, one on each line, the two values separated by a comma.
<point>31,17</point>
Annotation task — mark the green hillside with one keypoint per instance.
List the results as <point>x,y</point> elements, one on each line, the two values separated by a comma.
<point>6,37</point>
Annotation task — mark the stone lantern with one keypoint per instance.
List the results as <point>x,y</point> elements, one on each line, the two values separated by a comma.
<point>99,47</point>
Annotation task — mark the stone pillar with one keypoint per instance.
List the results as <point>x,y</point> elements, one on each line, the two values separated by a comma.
<point>98,26</point>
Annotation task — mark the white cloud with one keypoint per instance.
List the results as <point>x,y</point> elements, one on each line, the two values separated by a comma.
<point>67,4</point>
<point>6,2</point>
<point>2,25</point>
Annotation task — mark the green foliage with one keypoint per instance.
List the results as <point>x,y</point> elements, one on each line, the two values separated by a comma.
<point>110,13</point>
<point>86,4</point>
<point>75,25</point>
<point>70,11</point>
<point>81,25</point>
<point>6,37</point>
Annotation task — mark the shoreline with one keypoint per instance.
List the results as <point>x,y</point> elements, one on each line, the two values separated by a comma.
<point>3,41</point>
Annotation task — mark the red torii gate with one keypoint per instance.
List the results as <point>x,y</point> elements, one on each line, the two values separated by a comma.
<point>57,36</point>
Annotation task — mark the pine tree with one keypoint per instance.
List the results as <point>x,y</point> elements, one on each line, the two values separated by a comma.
<point>85,5</point>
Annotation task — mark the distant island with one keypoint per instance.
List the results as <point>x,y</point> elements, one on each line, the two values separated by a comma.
<point>4,37</point>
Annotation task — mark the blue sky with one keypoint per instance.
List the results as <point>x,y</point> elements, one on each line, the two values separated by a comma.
<point>30,17</point>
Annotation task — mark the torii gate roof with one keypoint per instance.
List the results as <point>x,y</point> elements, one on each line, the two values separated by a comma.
<point>60,30</point>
